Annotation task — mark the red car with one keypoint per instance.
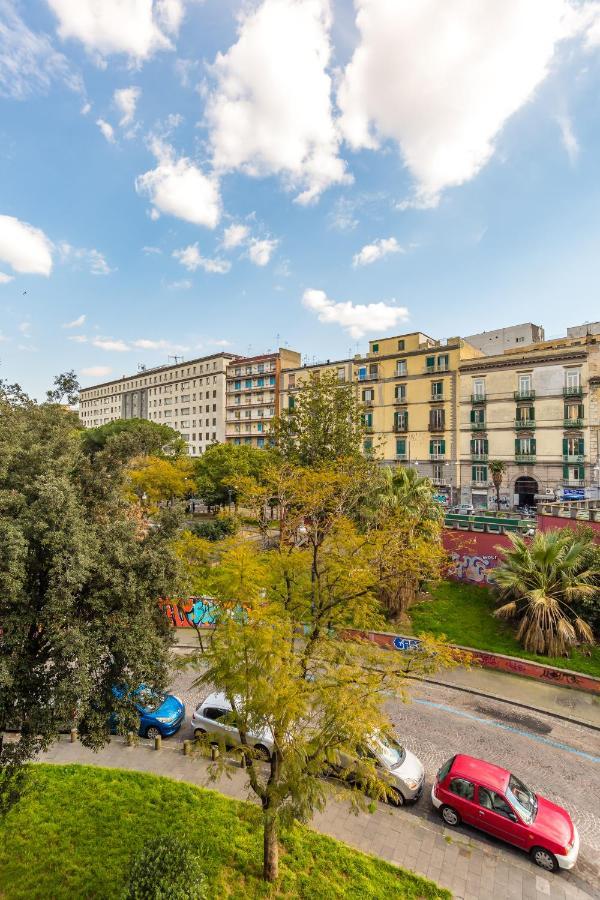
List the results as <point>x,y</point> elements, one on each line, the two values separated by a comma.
<point>490,798</point>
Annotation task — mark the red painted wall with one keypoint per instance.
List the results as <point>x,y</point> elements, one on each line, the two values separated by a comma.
<point>473,555</point>
<point>549,523</point>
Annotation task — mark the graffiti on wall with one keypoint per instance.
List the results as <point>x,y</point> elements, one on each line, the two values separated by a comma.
<point>198,612</point>
<point>472,567</point>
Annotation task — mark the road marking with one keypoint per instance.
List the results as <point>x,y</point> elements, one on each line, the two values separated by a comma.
<point>495,724</point>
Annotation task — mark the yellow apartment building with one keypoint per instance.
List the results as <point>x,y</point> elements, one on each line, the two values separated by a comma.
<point>537,409</point>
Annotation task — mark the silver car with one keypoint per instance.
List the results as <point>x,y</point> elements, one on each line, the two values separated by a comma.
<point>214,716</point>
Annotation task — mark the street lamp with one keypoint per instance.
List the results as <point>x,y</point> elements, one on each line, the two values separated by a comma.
<point>230,495</point>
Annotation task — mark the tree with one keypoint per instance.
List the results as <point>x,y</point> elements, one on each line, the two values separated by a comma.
<point>160,480</point>
<point>285,662</point>
<point>220,468</point>
<point>79,585</point>
<point>166,867</point>
<point>497,469</point>
<point>543,579</point>
<point>66,387</point>
<point>128,438</point>
<point>323,424</point>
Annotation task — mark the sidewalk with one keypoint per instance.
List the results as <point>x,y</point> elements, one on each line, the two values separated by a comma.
<point>568,703</point>
<point>470,865</point>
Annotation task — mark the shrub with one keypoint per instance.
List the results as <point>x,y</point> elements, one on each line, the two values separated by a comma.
<point>215,529</point>
<point>165,869</point>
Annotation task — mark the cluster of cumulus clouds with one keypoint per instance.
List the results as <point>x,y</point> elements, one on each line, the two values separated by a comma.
<point>434,80</point>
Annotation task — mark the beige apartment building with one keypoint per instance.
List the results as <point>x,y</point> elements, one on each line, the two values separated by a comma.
<point>409,387</point>
<point>189,396</point>
<point>537,408</point>
<point>253,393</point>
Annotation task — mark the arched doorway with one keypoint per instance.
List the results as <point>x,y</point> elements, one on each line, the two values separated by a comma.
<point>526,487</point>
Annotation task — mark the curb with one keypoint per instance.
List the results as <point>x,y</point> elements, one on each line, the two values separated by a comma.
<point>535,709</point>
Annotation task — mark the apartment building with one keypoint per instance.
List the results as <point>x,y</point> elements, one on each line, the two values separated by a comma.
<point>253,392</point>
<point>409,387</point>
<point>538,410</point>
<point>189,396</point>
<point>501,339</point>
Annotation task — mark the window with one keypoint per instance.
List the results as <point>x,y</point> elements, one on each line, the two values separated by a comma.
<point>261,367</point>
<point>213,713</point>
<point>442,773</point>
<point>495,803</point>
<point>443,362</point>
<point>401,369</point>
<point>341,374</point>
<point>437,448</point>
<point>574,412</point>
<point>479,387</point>
<point>368,420</point>
<point>291,381</point>
<point>362,373</point>
<point>375,348</point>
<point>271,379</point>
<point>462,788</point>
<point>260,382</point>
<point>368,445</point>
<point>479,474</point>
<point>401,421</point>
<point>572,378</point>
<point>291,402</point>
<point>401,448</point>
<point>437,389</point>
<point>401,345</point>
<point>525,446</point>
<point>478,416</point>
<point>479,446</point>
<point>260,442</point>
<point>438,472</point>
<point>400,392</point>
<point>368,395</point>
<point>573,446</point>
<point>524,384</point>
<point>526,414</point>
<point>430,362</point>
<point>237,385</point>
<point>437,419</point>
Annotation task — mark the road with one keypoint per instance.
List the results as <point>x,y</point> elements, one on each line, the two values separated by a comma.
<point>557,759</point>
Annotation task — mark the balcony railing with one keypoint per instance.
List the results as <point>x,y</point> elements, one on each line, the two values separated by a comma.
<point>480,483</point>
<point>573,457</point>
<point>524,424</point>
<point>437,398</point>
<point>437,456</point>
<point>400,426</point>
<point>575,390</point>
<point>573,423</point>
<point>524,395</point>
<point>479,457</point>
<point>369,429</point>
<point>400,401</point>
<point>400,373</point>
<point>478,426</point>
<point>369,376</point>
<point>573,482</point>
<point>402,457</point>
<point>478,398</point>
<point>525,457</point>
<point>437,426</point>
<point>369,402</point>
<point>433,370</point>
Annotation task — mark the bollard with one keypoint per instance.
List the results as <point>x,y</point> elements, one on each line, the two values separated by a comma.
<point>214,752</point>
<point>158,742</point>
<point>187,748</point>
<point>73,735</point>
<point>243,761</point>
<point>130,739</point>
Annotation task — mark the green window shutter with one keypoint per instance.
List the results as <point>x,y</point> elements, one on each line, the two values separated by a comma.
<point>473,473</point>
<point>580,411</point>
<point>472,446</point>
<point>565,446</point>
<point>430,362</point>
<point>581,451</point>
<point>291,402</point>
<point>443,446</point>
<point>431,446</point>
<point>406,420</point>
<point>533,445</point>
<point>566,415</point>
<point>565,472</point>
<point>473,415</point>
<point>485,445</point>
<point>485,473</point>
<point>517,445</point>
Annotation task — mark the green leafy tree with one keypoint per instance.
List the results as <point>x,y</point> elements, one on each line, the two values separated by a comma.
<point>167,869</point>
<point>220,468</point>
<point>79,585</point>
<point>542,580</point>
<point>323,425</point>
<point>128,438</point>
<point>66,389</point>
<point>497,469</point>
<point>156,479</point>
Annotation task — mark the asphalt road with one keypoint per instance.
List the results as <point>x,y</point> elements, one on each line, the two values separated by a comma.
<point>554,758</point>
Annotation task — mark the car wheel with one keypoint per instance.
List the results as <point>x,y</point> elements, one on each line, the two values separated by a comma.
<point>153,732</point>
<point>450,816</point>
<point>198,732</point>
<point>544,859</point>
<point>396,798</point>
<point>262,752</point>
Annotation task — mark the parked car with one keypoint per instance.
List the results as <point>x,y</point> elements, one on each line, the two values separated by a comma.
<point>465,509</point>
<point>493,799</point>
<point>160,714</point>
<point>399,766</point>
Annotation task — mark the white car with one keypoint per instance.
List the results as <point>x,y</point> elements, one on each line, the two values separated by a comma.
<point>399,767</point>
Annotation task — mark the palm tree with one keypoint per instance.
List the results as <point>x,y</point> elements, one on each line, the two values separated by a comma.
<point>542,578</point>
<point>497,469</point>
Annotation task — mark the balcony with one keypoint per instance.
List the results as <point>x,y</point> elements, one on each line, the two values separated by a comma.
<point>524,424</point>
<point>435,370</point>
<point>436,457</point>
<point>402,457</point>
<point>478,483</point>
<point>369,429</point>
<point>399,401</point>
<point>436,426</point>
<point>478,398</point>
<point>368,402</point>
<point>573,457</point>
<point>575,390</point>
<point>478,426</point>
<point>479,457</point>
<point>399,427</point>
<point>573,423</point>
<point>437,398</point>
<point>524,458</point>
<point>400,373</point>
<point>574,482</point>
<point>524,395</point>
<point>368,376</point>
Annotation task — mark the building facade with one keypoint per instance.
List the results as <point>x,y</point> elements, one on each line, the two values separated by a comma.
<point>515,336</point>
<point>537,410</point>
<point>188,396</point>
<point>253,393</point>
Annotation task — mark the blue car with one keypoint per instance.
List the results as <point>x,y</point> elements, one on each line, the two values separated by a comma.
<point>160,714</point>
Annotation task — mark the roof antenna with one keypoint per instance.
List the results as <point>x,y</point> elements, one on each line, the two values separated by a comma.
<point>176,359</point>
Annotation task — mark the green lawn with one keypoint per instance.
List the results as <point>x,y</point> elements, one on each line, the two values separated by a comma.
<point>74,832</point>
<point>463,612</point>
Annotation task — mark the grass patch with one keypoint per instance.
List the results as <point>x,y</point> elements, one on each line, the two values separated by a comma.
<point>463,612</point>
<point>74,832</point>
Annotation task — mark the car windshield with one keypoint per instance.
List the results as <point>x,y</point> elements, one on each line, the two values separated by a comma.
<point>150,700</point>
<point>390,753</point>
<point>524,800</point>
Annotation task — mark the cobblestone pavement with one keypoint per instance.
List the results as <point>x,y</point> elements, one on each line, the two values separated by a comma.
<point>557,759</point>
<point>472,869</point>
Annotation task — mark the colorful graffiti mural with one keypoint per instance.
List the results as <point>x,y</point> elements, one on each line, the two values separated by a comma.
<point>198,612</point>
<point>474,568</point>
<point>473,555</point>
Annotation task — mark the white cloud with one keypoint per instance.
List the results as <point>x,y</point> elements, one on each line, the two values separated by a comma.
<point>370,253</point>
<point>441,79</point>
<point>235,235</point>
<point>179,188</point>
<point>126,101</point>
<point>24,247</point>
<point>29,64</point>
<point>152,250</point>
<point>86,108</point>
<point>5,279</point>
<point>147,344</point>
<point>80,255</point>
<point>184,284</point>
<point>219,343</point>
<point>260,252</point>
<point>136,28</point>
<point>25,328</point>
<point>357,319</point>
<point>117,346</point>
<point>96,371</point>
<point>107,130</point>
<point>270,112</point>
<point>77,338</point>
<point>191,258</point>
<point>76,323</point>
<point>570,142</point>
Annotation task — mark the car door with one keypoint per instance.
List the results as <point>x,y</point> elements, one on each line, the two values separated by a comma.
<point>498,818</point>
<point>215,714</point>
<point>461,795</point>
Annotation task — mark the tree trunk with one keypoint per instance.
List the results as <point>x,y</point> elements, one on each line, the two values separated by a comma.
<point>270,848</point>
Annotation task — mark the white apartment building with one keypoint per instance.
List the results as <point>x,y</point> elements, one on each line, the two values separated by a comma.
<point>189,396</point>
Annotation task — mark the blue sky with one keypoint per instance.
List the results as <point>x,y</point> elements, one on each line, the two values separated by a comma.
<point>178,176</point>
